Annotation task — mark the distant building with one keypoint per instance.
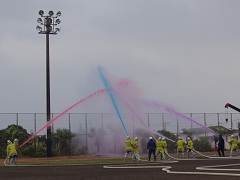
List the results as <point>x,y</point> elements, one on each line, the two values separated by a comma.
<point>200,133</point>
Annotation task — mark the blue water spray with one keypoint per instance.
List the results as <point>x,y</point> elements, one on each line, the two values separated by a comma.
<point>106,84</point>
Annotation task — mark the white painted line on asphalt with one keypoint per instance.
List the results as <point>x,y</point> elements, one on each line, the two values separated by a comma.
<point>215,168</point>
<point>134,167</point>
<point>198,173</point>
<point>167,169</point>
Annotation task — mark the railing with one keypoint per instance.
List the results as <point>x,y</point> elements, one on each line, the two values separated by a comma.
<point>113,139</point>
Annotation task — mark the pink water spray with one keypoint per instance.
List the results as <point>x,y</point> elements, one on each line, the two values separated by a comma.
<point>101,91</point>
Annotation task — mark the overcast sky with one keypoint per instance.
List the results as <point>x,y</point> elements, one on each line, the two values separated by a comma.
<point>185,53</point>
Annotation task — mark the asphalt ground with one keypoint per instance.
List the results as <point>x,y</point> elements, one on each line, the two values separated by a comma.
<point>194,169</point>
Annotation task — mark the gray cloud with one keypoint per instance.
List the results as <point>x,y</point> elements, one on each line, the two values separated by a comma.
<point>184,53</point>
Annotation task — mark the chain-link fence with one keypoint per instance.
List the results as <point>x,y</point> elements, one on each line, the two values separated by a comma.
<point>111,129</point>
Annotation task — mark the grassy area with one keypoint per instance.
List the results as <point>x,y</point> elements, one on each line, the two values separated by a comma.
<point>68,160</point>
<point>82,160</point>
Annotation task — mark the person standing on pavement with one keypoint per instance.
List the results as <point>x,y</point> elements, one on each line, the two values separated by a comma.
<point>136,155</point>
<point>164,144</point>
<point>234,145</point>
<point>11,152</point>
<point>159,150</point>
<point>180,147</point>
<point>220,145</point>
<point>151,147</point>
<point>129,148</point>
<point>189,146</point>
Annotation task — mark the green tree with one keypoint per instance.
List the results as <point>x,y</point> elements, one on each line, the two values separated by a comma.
<point>14,131</point>
<point>36,147</point>
<point>202,145</point>
<point>62,141</point>
<point>10,133</point>
<point>238,125</point>
<point>218,130</point>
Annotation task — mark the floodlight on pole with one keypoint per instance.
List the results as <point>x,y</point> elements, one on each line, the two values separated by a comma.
<point>58,21</point>
<point>48,22</point>
<point>50,13</point>
<point>47,25</point>
<point>41,12</point>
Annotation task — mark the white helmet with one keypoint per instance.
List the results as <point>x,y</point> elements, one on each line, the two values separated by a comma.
<point>179,137</point>
<point>135,138</point>
<point>232,135</point>
<point>150,138</point>
<point>159,138</point>
<point>128,137</point>
<point>9,142</point>
<point>188,138</point>
<point>15,139</point>
<point>163,138</point>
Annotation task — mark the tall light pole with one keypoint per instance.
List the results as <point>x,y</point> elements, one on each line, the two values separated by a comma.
<point>47,25</point>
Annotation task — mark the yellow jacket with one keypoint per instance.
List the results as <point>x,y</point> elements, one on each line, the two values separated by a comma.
<point>11,150</point>
<point>164,145</point>
<point>159,144</point>
<point>135,146</point>
<point>180,145</point>
<point>128,143</point>
<point>234,143</point>
<point>189,144</point>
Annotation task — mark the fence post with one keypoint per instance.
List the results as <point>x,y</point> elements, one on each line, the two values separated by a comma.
<point>35,130</point>
<point>163,121</point>
<point>69,122</point>
<point>148,120</point>
<point>191,124</point>
<point>102,131</point>
<point>205,124</point>
<point>69,126</point>
<point>177,126</point>
<point>133,127</point>
<point>17,121</point>
<point>86,133</point>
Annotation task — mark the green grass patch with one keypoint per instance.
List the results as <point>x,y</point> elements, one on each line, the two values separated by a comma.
<point>70,160</point>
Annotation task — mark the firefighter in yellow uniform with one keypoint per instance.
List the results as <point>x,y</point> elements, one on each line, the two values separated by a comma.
<point>234,145</point>
<point>164,145</point>
<point>129,148</point>
<point>180,146</point>
<point>11,151</point>
<point>189,146</point>
<point>135,149</point>
<point>159,147</point>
